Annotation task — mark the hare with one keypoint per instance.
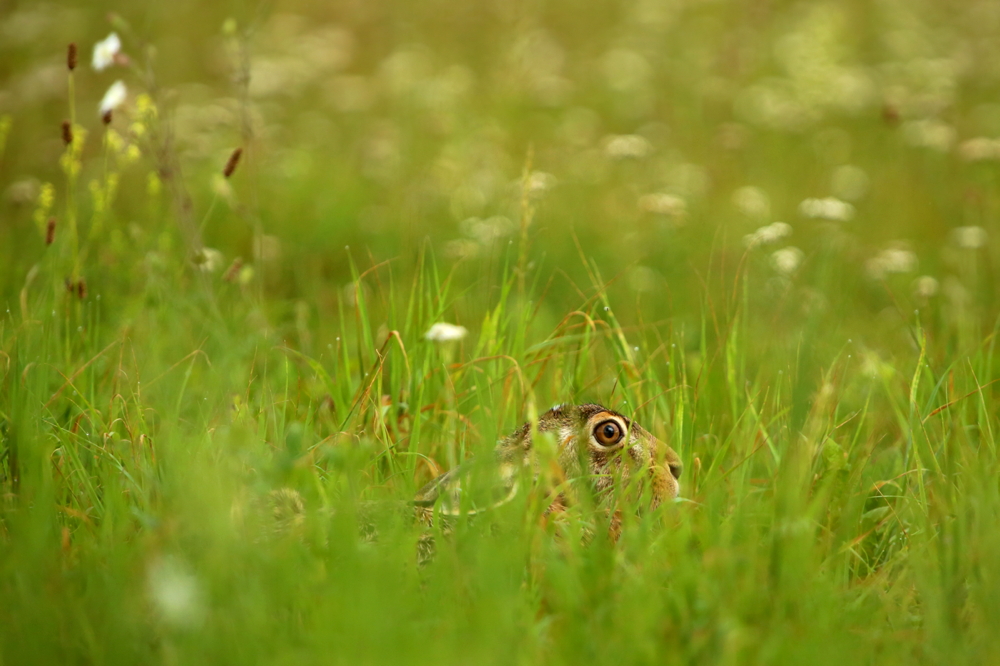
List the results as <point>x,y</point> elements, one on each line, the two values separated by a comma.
<point>620,459</point>
<point>591,441</point>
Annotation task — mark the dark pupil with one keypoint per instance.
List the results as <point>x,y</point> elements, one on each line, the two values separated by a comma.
<point>609,431</point>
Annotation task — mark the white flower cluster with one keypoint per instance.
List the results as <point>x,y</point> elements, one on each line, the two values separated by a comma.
<point>930,133</point>
<point>176,593</point>
<point>538,183</point>
<point>969,238</point>
<point>980,149</point>
<point>627,146</point>
<point>768,234</point>
<point>924,287</point>
<point>787,260</point>
<point>663,204</point>
<point>444,332</point>
<point>829,208</point>
<point>752,202</point>
<point>489,230</point>
<point>891,260</point>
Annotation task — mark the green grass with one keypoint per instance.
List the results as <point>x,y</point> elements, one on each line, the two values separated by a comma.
<point>408,165</point>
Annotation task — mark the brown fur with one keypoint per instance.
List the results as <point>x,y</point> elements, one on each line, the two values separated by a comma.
<point>579,454</point>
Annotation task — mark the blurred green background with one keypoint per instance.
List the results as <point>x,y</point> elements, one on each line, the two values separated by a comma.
<point>764,229</point>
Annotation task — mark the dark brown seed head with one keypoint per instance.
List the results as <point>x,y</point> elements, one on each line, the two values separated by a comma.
<point>50,231</point>
<point>67,132</point>
<point>71,56</point>
<point>81,289</point>
<point>890,114</point>
<point>106,118</point>
<point>234,159</point>
<point>234,270</point>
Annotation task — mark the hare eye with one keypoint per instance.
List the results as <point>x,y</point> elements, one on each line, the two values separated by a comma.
<point>608,433</point>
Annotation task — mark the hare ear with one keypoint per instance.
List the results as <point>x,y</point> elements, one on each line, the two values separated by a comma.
<point>469,489</point>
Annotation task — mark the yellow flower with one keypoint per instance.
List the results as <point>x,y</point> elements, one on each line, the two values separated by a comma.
<point>115,141</point>
<point>144,106</point>
<point>46,197</point>
<point>153,184</point>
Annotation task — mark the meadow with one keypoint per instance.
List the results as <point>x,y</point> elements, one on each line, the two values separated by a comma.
<point>768,231</point>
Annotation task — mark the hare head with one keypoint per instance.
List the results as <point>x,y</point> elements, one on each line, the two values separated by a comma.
<point>592,442</point>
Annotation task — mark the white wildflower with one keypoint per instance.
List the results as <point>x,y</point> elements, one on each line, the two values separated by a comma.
<point>461,248</point>
<point>488,230</point>
<point>768,234</point>
<point>752,202</point>
<point>969,238</point>
<point>113,98</point>
<point>980,149</point>
<point>891,260</point>
<point>829,208</point>
<point>786,260</point>
<point>644,278</point>
<point>925,286</point>
<point>444,332</point>
<point>208,260</point>
<point>627,146</point>
<point>175,592</point>
<point>663,204</point>
<point>850,182</point>
<point>267,247</point>
<point>105,52</point>
<point>538,183</point>
<point>930,133</point>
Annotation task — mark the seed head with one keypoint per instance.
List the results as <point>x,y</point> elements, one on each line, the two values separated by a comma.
<point>233,271</point>
<point>71,56</point>
<point>890,114</point>
<point>234,159</point>
<point>50,231</point>
<point>81,289</point>
<point>67,132</point>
